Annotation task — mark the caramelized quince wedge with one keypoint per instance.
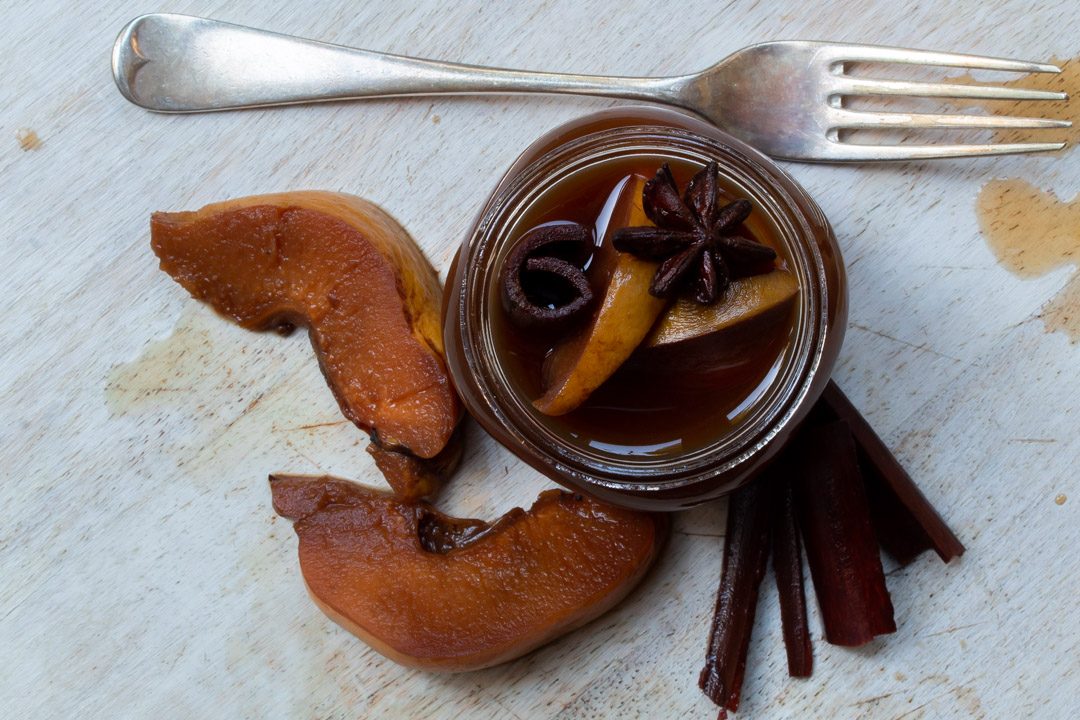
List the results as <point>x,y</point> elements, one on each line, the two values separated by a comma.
<point>348,271</point>
<point>443,593</point>
<point>582,363</point>
<point>692,334</point>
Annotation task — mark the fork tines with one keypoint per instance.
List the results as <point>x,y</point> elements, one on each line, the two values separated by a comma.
<point>847,85</point>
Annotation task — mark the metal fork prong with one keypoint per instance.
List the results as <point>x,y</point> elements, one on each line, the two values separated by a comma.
<point>781,97</point>
<point>861,120</point>
<point>860,86</point>
<point>880,53</point>
<point>852,151</point>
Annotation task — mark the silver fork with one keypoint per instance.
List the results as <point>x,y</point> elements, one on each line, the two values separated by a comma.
<point>782,97</point>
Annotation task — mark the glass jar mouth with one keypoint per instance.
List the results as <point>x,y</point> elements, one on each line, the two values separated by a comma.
<point>770,190</point>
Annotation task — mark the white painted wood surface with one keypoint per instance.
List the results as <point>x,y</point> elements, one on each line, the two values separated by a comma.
<point>143,571</point>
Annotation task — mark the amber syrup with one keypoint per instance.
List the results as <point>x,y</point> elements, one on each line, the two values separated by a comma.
<point>642,411</point>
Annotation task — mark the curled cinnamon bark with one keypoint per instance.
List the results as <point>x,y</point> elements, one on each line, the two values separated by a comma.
<point>787,567</point>
<point>907,524</point>
<point>841,546</point>
<point>838,487</point>
<point>542,282</point>
<point>746,548</point>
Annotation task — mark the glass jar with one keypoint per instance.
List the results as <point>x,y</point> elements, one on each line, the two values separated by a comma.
<point>740,450</point>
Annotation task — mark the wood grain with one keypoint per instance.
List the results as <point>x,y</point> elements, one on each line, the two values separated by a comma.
<point>144,572</point>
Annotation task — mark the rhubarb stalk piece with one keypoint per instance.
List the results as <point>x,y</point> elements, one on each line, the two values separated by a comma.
<point>907,524</point>
<point>841,546</point>
<point>787,567</point>
<point>746,547</point>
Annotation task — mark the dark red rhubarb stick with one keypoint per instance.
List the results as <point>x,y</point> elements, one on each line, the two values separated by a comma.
<point>907,524</point>
<point>746,552</point>
<point>841,547</point>
<point>787,566</point>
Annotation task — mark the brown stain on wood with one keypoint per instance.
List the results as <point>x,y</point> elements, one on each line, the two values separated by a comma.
<point>1030,230</point>
<point>28,139</point>
<point>311,426</point>
<point>1033,232</point>
<point>177,364</point>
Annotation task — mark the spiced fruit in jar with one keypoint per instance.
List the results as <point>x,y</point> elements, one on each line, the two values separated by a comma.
<point>645,308</point>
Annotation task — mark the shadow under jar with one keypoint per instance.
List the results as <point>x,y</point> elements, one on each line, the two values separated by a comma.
<point>653,436</point>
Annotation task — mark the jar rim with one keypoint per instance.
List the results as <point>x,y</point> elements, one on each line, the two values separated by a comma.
<point>788,208</point>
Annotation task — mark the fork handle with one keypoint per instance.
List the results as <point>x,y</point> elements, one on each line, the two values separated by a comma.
<point>181,64</point>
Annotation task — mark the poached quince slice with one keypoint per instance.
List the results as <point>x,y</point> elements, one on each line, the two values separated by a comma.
<point>581,363</point>
<point>348,271</point>
<point>441,593</point>
<point>690,335</point>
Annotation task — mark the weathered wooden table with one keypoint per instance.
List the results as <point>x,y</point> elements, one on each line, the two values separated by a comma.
<point>143,571</point>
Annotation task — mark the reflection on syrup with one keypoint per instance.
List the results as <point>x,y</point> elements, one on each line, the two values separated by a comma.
<point>1033,232</point>
<point>642,410</point>
<point>671,415</point>
<point>603,218</point>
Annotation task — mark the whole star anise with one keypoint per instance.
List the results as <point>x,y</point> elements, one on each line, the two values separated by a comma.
<point>692,239</point>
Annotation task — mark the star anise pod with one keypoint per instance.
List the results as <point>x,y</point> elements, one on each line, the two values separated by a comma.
<point>692,239</point>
